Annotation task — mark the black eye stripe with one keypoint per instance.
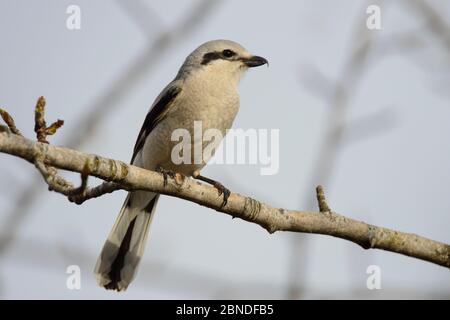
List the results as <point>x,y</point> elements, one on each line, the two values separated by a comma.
<point>210,56</point>
<point>215,55</point>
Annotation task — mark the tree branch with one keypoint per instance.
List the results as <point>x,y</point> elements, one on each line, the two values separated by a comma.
<point>118,175</point>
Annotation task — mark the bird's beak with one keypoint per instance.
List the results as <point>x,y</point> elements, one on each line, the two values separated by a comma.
<point>254,61</point>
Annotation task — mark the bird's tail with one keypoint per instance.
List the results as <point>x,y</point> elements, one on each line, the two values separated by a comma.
<point>120,256</point>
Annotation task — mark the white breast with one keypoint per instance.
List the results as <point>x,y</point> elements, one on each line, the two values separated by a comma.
<point>214,104</point>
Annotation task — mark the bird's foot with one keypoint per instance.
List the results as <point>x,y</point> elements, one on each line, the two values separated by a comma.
<point>220,188</point>
<point>166,173</point>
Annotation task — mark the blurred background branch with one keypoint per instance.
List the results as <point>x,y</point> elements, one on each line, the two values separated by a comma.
<point>335,126</point>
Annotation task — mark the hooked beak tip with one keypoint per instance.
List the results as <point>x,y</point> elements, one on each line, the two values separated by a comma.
<point>255,61</point>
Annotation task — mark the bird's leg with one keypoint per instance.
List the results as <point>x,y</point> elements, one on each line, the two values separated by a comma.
<point>220,188</point>
<point>166,173</point>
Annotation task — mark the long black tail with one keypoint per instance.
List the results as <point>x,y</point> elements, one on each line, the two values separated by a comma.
<point>120,256</point>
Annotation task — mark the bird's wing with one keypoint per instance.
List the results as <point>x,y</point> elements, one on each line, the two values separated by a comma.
<point>157,112</point>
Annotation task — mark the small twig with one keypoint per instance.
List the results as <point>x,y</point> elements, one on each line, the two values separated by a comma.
<point>59,184</point>
<point>84,181</point>
<point>39,120</point>
<point>9,121</point>
<point>51,129</point>
<point>55,182</point>
<point>95,192</point>
<point>79,194</point>
<point>84,193</point>
<point>40,126</point>
<point>323,205</point>
<point>50,174</point>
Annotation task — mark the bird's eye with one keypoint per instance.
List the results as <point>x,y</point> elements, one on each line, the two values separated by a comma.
<point>228,53</point>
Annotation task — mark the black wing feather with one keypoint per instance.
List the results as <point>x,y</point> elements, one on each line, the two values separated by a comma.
<point>154,116</point>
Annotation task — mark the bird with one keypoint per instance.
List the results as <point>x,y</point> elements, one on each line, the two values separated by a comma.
<point>205,89</point>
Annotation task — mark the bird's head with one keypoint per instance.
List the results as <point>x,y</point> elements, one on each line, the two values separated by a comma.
<point>223,58</point>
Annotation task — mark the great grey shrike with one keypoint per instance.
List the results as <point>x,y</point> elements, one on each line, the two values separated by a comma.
<point>205,89</point>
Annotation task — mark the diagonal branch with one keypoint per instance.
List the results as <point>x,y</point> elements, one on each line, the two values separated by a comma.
<point>118,174</point>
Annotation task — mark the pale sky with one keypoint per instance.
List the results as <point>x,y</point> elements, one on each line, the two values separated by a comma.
<point>392,168</point>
